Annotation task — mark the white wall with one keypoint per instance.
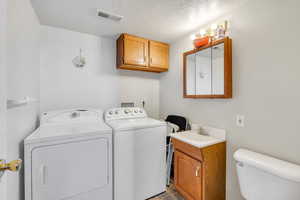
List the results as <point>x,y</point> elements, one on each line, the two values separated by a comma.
<point>65,86</point>
<point>266,84</point>
<point>141,86</point>
<point>99,84</point>
<point>3,18</point>
<point>22,80</point>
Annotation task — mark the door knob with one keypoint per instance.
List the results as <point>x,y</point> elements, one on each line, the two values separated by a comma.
<point>13,166</point>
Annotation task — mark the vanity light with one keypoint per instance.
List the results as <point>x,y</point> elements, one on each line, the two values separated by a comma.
<point>215,31</point>
<point>214,26</point>
<point>202,32</point>
<point>193,37</point>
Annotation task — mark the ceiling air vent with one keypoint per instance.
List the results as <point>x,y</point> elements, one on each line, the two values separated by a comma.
<point>108,15</point>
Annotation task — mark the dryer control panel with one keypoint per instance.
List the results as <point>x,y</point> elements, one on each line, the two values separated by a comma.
<point>71,116</point>
<point>124,113</point>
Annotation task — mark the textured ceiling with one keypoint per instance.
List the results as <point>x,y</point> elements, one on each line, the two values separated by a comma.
<point>164,20</point>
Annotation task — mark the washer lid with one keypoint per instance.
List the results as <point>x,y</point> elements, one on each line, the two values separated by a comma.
<point>132,124</point>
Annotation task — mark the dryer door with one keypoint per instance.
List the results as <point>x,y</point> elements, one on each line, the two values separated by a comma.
<point>73,170</point>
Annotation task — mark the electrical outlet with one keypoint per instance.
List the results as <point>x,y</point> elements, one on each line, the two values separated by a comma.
<point>143,103</point>
<point>240,120</point>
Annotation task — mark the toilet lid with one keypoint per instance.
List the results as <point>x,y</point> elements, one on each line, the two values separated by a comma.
<point>269,164</point>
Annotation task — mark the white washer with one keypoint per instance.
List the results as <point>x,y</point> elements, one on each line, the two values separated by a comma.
<point>139,153</point>
<point>69,157</point>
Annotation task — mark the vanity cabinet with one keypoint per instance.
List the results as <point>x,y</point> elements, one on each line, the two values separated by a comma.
<point>136,53</point>
<point>207,71</point>
<point>200,173</point>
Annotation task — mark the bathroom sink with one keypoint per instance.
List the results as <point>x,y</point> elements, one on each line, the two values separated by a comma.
<point>196,139</point>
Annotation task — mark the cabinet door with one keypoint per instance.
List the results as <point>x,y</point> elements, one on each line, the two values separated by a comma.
<point>135,51</point>
<point>217,68</point>
<point>203,72</point>
<point>188,176</point>
<point>159,55</point>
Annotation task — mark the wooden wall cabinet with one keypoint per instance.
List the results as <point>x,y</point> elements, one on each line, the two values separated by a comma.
<point>136,53</point>
<point>200,173</point>
<point>159,55</point>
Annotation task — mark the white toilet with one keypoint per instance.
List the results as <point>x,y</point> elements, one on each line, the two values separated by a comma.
<point>262,177</point>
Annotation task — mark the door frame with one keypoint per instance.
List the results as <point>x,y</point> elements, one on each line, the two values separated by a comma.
<point>3,145</point>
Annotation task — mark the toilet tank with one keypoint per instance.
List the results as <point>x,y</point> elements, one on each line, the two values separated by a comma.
<point>263,177</point>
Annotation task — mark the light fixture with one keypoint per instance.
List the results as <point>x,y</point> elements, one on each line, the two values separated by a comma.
<point>193,36</point>
<point>202,32</point>
<point>214,31</point>
<point>214,26</point>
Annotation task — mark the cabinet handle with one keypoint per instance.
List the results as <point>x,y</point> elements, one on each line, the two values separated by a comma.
<point>151,60</point>
<point>145,58</point>
<point>197,171</point>
<point>43,172</point>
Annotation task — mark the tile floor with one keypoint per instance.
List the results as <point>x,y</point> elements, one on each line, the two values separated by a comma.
<point>170,194</point>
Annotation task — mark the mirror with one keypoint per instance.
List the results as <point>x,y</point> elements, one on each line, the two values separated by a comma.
<point>207,71</point>
<point>217,66</point>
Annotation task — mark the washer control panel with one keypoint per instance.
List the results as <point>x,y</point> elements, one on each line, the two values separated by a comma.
<point>124,113</point>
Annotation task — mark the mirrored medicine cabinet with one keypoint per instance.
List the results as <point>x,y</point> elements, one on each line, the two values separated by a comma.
<point>207,71</point>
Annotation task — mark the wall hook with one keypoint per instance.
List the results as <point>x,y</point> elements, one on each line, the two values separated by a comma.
<point>79,61</point>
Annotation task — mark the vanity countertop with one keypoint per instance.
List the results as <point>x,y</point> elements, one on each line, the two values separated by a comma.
<point>196,139</point>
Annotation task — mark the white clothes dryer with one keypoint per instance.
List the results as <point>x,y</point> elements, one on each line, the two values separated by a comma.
<point>69,157</point>
<point>139,153</point>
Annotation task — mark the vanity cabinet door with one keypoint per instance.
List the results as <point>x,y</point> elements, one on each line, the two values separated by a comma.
<point>188,176</point>
<point>159,55</point>
<point>135,51</point>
